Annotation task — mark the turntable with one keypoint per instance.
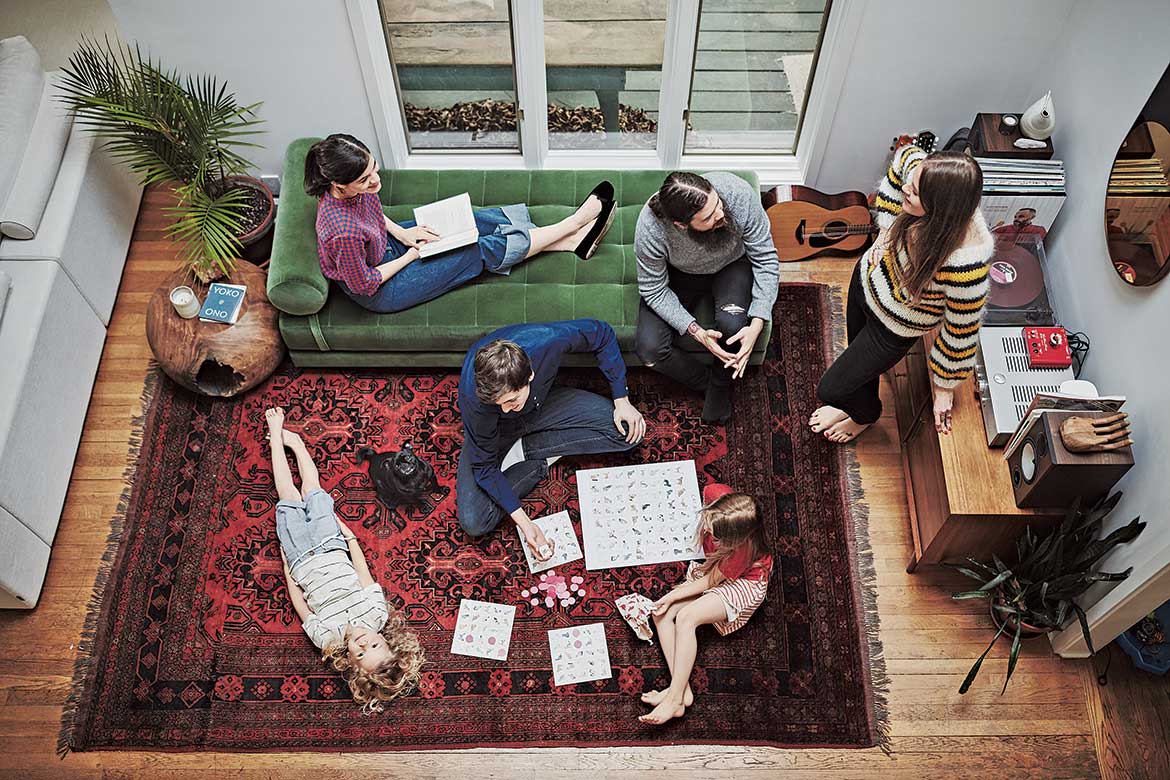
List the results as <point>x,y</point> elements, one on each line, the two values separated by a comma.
<point>1018,295</point>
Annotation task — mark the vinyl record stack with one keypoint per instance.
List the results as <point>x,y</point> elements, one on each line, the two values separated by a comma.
<point>1021,198</point>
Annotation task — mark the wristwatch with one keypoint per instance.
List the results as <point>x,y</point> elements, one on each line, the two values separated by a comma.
<point>693,328</point>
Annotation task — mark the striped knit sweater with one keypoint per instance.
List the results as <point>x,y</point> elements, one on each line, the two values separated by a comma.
<point>955,297</point>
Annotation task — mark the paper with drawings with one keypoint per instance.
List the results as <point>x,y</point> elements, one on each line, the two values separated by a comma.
<point>483,629</point>
<point>558,529</point>
<point>579,654</point>
<point>636,515</point>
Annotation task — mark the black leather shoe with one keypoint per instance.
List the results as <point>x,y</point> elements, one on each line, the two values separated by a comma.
<point>589,244</point>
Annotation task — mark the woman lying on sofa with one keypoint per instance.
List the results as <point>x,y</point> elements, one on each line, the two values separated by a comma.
<point>374,258</point>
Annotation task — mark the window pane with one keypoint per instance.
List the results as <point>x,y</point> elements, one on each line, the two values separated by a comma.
<point>453,63</point>
<point>753,64</point>
<point>603,62</point>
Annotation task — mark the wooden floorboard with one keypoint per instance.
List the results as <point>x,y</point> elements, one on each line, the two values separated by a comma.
<point>1049,724</point>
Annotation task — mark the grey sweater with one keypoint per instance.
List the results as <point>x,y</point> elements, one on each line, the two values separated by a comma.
<point>660,242</point>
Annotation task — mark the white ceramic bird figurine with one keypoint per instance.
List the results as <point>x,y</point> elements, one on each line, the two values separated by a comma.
<point>1038,120</point>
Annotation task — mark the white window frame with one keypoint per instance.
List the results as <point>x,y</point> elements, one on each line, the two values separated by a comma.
<point>527,19</point>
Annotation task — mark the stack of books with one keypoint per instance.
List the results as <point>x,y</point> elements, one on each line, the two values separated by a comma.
<point>1021,198</point>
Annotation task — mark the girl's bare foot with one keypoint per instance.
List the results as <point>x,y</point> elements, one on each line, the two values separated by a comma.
<point>589,211</point>
<point>574,239</point>
<point>275,418</point>
<point>845,431</point>
<point>654,698</point>
<point>292,440</point>
<point>826,417</point>
<point>663,712</point>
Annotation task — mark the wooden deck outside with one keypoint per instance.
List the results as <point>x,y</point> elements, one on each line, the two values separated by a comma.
<point>1053,723</point>
<point>739,81</point>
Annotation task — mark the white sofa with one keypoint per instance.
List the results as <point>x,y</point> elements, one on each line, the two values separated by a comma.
<point>66,214</point>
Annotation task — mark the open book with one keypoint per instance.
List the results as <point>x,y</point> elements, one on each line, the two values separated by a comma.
<point>452,219</point>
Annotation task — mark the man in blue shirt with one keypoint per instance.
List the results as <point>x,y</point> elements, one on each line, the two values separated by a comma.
<point>516,421</point>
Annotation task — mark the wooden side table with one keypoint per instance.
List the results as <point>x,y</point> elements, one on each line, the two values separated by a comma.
<point>959,490</point>
<point>209,357</point>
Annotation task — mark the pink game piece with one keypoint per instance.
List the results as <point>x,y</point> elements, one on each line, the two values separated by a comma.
<point>578,579</point>
<point>544,576</point>
<point>576,643</point>
<point>535,602</point>
<point>571,600</point>
<point>549,601</point>
<point>469,638</point>
<point>491,640</point>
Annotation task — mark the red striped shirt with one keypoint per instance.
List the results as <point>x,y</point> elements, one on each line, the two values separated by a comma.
<point>351,240</point>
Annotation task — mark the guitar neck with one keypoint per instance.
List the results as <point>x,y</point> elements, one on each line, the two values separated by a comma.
<point>850,230</point>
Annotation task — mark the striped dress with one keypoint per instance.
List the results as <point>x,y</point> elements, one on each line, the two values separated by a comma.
<point>954,298</point>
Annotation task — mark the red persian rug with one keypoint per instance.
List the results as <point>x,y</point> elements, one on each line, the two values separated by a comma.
<point>192,642</point>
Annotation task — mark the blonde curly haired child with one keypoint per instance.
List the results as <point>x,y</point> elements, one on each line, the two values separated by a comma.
<point>342,608</point>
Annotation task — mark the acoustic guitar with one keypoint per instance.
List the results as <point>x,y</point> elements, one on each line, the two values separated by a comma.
<point>807,223</point>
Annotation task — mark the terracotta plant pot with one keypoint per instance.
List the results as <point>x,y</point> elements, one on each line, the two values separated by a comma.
<point>999,619</point>
<point>261,230</point>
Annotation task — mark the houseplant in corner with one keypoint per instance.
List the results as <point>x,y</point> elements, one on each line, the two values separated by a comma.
<point>182,130</point>
<point>1038,593</point>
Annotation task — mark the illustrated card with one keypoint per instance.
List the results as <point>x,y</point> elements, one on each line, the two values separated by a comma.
<point>558,529</point>
<point>579,654</point>
<point>637,515</point>
<point>483,629</point>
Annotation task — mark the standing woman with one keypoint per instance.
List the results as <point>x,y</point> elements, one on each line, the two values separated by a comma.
<point>927,267</point>
<point>373,258</point>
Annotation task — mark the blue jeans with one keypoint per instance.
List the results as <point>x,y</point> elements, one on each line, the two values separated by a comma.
<point>503,242</point>
<point>568,422</point>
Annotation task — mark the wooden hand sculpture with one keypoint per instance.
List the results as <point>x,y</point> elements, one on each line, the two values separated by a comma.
<point>1088,434</point>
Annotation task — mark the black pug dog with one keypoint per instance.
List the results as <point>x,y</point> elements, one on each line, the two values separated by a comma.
<point>399,477</point>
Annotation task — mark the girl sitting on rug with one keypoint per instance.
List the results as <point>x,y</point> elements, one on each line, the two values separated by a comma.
<point>342,608</point>
<point>373,258</point>
<point>724,591</point>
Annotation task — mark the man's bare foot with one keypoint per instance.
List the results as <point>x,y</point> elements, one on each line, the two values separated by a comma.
<point>826,417</point>
<point>663,712</point>
<point>654,698</point>
<point>589,211</point>
<point>845,431</point>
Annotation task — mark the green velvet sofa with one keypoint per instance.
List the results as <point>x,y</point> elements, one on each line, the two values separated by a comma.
<point>323,327</point>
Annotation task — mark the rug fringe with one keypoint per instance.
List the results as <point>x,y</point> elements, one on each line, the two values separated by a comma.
<point>879,680</point>
<point>93,612</point>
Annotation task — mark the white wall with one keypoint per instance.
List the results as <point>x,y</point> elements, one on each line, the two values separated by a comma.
<point>1102,76</point>
<point>935,65</point>
<point>53,26</point>
<point>297,56</point>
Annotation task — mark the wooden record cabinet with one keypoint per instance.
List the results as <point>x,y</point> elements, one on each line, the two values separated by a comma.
<point>958,490</point>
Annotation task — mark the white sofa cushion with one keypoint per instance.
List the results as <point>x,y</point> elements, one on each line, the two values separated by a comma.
<point>22,83</point>
<point>51,341</point>
<point>20,216</point>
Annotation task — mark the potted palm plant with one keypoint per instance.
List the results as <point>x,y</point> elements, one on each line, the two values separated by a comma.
<point>1038,593</point>
<point>184,130</point>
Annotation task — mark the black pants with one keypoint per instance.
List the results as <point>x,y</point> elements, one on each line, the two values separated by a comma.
<point>731,287</point>
<point>851,383</point>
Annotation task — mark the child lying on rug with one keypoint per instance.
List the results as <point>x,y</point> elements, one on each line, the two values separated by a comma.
<point>724,591</point>
<point>342,608</point>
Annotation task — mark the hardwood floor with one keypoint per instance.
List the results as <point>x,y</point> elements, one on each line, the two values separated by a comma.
<point>1043,727</point>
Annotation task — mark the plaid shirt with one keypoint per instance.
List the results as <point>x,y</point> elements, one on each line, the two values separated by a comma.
<point>351,240</point>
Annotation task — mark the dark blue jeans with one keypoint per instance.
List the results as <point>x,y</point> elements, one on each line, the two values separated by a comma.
<point>503,242</point>
<point>568,422</point>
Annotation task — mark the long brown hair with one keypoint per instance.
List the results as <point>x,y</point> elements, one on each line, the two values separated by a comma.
<point>734,520</point>
<point>950,185</point>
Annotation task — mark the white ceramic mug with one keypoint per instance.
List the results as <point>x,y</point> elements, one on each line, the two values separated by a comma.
<point>185,303</point>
